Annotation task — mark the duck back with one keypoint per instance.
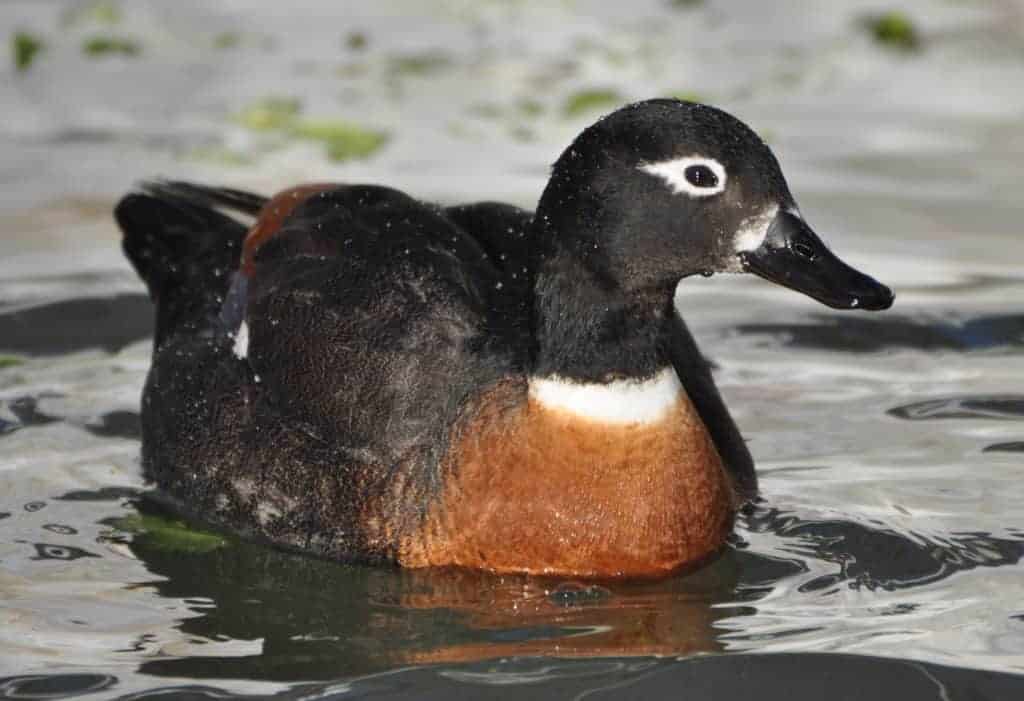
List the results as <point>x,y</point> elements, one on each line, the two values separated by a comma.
<point>369,319</point>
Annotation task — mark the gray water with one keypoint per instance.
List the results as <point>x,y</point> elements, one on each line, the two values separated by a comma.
<point>890,446</point>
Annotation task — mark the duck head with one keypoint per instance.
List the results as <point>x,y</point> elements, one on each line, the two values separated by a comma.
<point>664,189</point>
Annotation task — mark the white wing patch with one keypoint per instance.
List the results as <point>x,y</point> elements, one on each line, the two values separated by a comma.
<point>618,402</point>
<point>673,172</point>
<point>241,347</point>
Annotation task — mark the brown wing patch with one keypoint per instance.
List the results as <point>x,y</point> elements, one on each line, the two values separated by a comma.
<point>529,489</point>
<point>270,218</point>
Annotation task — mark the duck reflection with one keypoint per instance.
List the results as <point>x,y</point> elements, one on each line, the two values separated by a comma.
<point>324,620</point>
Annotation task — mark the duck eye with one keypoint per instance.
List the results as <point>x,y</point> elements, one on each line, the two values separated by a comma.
<point>694,176</point>
<point>701,176</point>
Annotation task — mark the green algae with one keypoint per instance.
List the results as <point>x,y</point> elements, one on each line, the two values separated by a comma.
<point>345,140</point>
<point>529,107</point>
<point>269,114</point>
<point>894,30</point>
<point>591,100</point>
<point>357,41</point>
<point>10,361</point>
<point>169,534</point>
<point>220,155</point>
<point>419,65</point>
<point>227,40</point>
<point>99,12</point>
<point>99,46</point>
<point>25,47</point>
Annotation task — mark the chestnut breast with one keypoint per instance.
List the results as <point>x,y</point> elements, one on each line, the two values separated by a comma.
<point>567,487</point>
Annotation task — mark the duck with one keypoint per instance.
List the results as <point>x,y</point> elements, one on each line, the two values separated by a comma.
<point>350,372</point>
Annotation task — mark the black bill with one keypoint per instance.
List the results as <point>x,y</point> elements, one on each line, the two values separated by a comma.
<point>793,256</point>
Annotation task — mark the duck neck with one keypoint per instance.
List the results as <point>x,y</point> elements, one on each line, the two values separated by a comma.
<point>589,330</point>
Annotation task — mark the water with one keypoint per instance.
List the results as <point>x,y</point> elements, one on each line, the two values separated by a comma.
<point>890,525</point>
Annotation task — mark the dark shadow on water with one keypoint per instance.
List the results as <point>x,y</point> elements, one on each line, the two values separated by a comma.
<point>777,677</point>
<point>876,558</point>
<point>1000,406</point>
<point>54,686</point>
<point>110,323</point>
<point>49,551</point>
<point>1011,447</point>
<point>792,677</point>
<point>25,412</point>
<point>117,424</point>
<point>860,334</point>
<point>325,620</point>
<point>101,494</point>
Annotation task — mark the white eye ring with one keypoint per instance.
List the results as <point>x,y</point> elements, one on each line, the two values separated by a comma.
<point>673,172</point>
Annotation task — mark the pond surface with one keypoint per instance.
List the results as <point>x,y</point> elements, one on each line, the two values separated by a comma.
<point>883,558</point>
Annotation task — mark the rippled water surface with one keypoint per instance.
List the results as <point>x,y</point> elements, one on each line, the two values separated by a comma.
<point>890,528</point>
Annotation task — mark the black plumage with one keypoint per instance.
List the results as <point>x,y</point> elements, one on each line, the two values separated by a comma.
<point>375,321</point>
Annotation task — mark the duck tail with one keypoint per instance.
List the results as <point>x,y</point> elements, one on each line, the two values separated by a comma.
<point>184,248</point>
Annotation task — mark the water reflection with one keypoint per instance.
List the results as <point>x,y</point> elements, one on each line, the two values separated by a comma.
<point>21,412</point>
<point>879,557</point>
<point>69,325</point>
<point>1005,406</point>
<point>1011,447</point>
<point>116,424</point>
<point>54,686</point>
<point>49,551</point>
<point>798,677</point>
<point>319,619</point>
<point>858,334</point>
<point>101,494</point>
<point>314,619</point>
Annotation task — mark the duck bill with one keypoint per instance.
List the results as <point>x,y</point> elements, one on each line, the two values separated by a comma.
<point>793,256</point>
